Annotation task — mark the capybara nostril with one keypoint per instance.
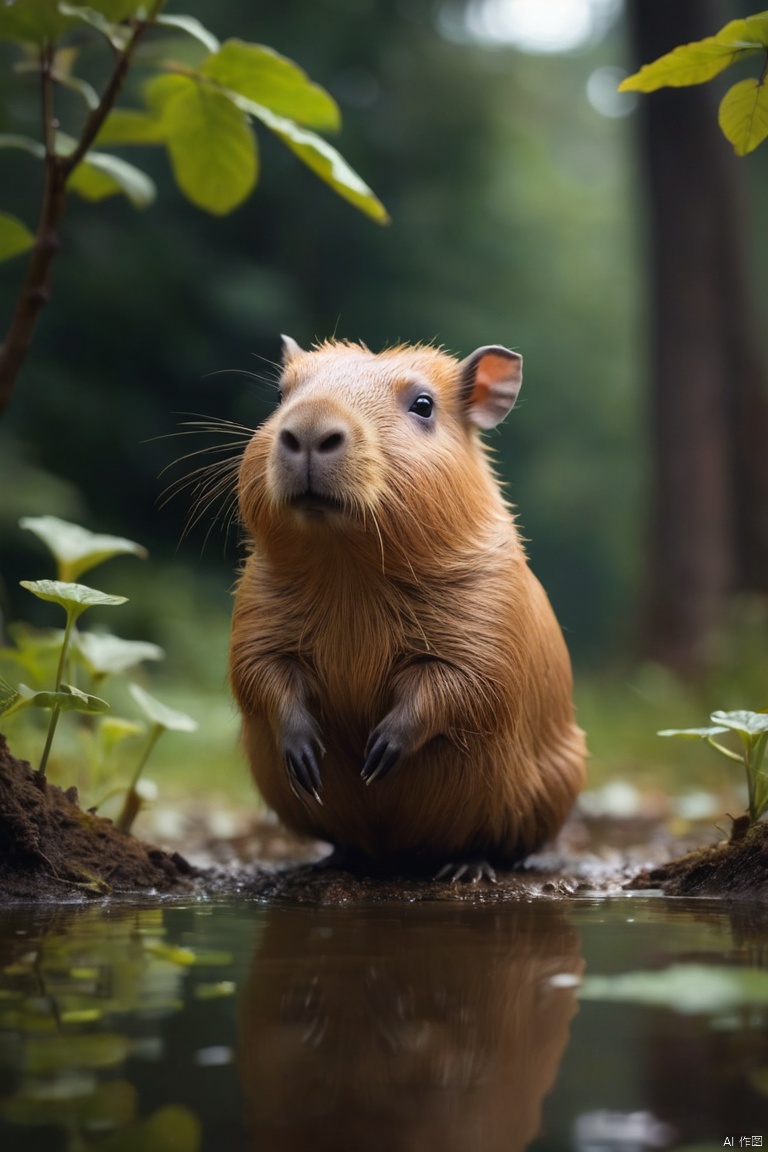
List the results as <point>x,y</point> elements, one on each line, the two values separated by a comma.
<point>290,441</point>
<point>331,443</point>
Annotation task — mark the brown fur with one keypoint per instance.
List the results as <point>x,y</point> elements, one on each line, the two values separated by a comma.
<point>413,606</point>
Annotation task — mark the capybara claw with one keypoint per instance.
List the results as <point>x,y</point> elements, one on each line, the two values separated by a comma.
<point>304,771</point>
<point>381,757</point>
<point>467,872</point>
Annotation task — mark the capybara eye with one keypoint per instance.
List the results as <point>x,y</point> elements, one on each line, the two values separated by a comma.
<point>422,406</point>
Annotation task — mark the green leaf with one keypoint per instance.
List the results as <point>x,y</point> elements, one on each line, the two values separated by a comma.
<point>75,548</point>
<point>72,597</point>
<point>743,115</point>
<point>263,75</point>
<point>100,175</point>
<point>193,27</point>
<point>160,714</point>
<point>684,988</point>
<point>15,237</point>
<point>67,699</point>
<point>702,59</point>
<point>117,10</point>
<point>693,733</point>
<point>212,148</point>
<point>113,729</point>
<point>9,697</point>
<point>321,157</point>
<point>82,87</point>
<point>117,34</point>
<point>131,126</point>
<point>32,20</point>
<point>748,723</point>
<point>26,143</point>
<point>105,654</point>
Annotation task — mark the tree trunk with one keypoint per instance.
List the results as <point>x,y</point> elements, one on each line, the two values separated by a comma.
<point>708,410</point>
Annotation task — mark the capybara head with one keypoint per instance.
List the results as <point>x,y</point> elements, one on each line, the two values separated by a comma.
<point>385,443</point>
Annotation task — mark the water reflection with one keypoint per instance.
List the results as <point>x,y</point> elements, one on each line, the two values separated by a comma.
<point>218,1028</point>
<point>83,992</point>
<point>437,1028</point>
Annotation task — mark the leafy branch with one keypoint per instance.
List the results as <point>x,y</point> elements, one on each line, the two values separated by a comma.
<point>202,115</point>
<point>743,113</point>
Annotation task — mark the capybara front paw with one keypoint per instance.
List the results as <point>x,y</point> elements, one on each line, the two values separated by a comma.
<point>302,752</point>
<point>383,751</point>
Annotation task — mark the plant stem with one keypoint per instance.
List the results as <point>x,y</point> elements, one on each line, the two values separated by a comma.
<point>71,617</point>
<point>36,287</point>
<point>125,819</point>
<point>56,712</point>
<point>725,751</point>
<point>111,92</point>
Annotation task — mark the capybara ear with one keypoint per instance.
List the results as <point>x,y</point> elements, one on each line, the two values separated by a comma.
<point>290,350</point>
<point>490,381</point>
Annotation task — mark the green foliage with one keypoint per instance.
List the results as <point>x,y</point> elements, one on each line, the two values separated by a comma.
<point>202,115</point>
<point>105,655</point>
<point>160,715</point>
<point>752,731</point>
<point>65,699</point>
<point>100,654</point>
<point>73,598</point>
<point>743,114</point>
<point>76,549</point>
<point>161,719</point>
<point>15,237</point>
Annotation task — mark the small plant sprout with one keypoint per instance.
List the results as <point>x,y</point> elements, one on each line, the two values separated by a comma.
<point>112,731</point>
<point>74,599</point>
<point>76,549</point>
<point>106,655</point>
<point>752,731</point>
<point>161,719</point>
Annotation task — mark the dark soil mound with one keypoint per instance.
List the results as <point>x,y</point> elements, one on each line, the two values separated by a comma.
<point>734,868</point>
<point>50,848</point>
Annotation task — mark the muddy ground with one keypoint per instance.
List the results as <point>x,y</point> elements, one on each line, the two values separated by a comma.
<point>51,851</point>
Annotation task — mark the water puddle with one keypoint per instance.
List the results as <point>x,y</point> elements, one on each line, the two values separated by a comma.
<point>613,1025</point>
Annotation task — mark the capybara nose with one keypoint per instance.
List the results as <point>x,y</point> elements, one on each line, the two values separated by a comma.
<point>307,442</point>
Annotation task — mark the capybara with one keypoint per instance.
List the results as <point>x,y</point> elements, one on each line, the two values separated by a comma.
<point>403,681</point>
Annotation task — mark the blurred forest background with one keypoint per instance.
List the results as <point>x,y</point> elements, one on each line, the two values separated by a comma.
<point>517,180</point>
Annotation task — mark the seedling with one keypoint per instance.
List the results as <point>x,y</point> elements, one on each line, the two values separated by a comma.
<point>76,550</point>
<point>752,731</point>
<point>74,599</point>
<point>162,719</point>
